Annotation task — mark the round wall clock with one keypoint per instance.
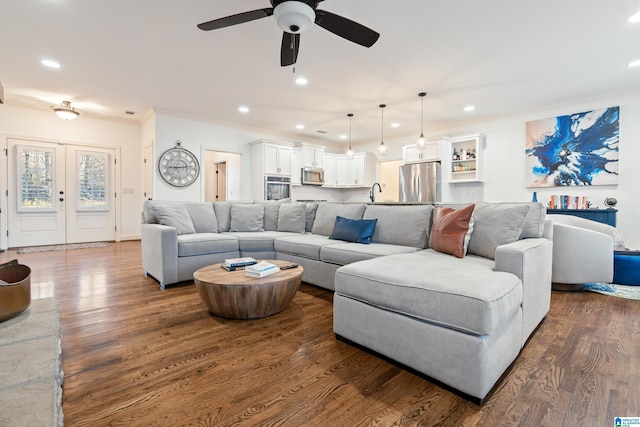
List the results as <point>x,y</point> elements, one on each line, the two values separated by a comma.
<point>178,166</point>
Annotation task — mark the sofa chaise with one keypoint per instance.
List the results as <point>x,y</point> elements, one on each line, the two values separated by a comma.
<point>458,312</point>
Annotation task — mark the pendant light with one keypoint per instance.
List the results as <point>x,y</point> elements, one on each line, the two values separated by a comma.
<point>421,141</point>
<point>382,149</point>
<point>350,150</point>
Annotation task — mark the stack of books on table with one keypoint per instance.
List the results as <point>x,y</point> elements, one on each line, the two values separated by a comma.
<point>261,269</point>
<point>234,264</point>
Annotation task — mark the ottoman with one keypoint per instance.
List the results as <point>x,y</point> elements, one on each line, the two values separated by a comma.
<point>626,267</point>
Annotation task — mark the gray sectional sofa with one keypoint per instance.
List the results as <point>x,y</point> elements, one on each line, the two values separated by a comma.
<point>459,320</point>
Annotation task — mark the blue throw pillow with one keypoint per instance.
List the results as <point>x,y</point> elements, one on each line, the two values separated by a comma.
<point>353,230</point>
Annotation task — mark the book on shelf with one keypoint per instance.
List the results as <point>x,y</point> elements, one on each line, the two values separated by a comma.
<point>261,269</point>
<point>239,262</point>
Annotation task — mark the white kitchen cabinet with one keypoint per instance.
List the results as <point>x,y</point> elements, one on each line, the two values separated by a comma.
<point>268,158</point>
<point>330,170</point>
<point>296,166</point>
<point>414,154</point>
<point>359,171</point>
<point>312,156</point>
<point>277,160</point>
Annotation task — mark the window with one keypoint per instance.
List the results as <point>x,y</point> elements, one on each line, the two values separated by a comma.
<point>93,176</point>
<point>35,179</point>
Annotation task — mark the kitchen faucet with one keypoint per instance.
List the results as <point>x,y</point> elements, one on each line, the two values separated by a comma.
<point>372,194</point>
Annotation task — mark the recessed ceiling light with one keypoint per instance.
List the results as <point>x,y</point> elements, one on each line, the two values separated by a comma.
<point>635,18</point>
<point>343,136</point>
<point>395,125</point>
<point>469,108</point>
<point>49,63</point>
<point>299,126</point>
<point>243,109</point>
<point>635,63</point>
<point>301,81</point>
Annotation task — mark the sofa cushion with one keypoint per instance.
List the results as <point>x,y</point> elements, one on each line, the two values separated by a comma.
<point>174,215</point>
<point>292,217</point>
<point>258,241</point>
<point>310,217</point>
<point>305,245</point>
<point>346,253</point>
<point>247,218</point>
<point>353,230</point>
<point>327,213</point>
<point>223,213</point>
<point>203,217</point>
<point>459,293</point>
<point>271,212</point>
<point>401,225</point>
<point>496,224</point>
<point>452,230</point>
<point>206,243</point>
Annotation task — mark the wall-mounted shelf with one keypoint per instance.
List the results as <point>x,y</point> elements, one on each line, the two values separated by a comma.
<point>466,159</point>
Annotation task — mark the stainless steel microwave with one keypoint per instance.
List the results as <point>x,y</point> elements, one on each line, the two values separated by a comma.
<point>312,176</point>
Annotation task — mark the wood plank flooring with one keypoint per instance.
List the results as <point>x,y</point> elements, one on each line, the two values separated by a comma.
<point>136,356</point>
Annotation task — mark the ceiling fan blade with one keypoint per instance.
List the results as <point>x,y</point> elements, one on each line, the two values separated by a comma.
<point>346,28</point>
<point>289,51</point>
<point>236,19</point>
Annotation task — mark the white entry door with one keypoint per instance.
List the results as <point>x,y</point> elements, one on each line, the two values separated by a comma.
<point>61,193</point>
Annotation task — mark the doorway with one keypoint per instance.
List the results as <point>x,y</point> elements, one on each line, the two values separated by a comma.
<point>60,193</point>
<point>222,176</point>
<point>389,180</point>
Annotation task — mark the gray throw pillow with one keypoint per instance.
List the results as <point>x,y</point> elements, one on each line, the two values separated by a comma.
<point>312,207</point>
<point>495,224</point>
<point>271,212</point>
<point>292,217</point>
<point>327,213</point>
<point>247,218</point>
<point>223,214</point>
<point>401,225</point>
<point>203,217</point>
<point>175,215</point>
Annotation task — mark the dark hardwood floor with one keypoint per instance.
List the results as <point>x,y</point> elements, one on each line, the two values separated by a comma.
<point>136,356</point>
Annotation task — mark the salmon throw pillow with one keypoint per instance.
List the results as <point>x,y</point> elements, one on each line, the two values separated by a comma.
<point>452,230</point>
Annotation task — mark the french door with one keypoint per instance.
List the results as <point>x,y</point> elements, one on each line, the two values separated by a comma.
<point>60,193</point>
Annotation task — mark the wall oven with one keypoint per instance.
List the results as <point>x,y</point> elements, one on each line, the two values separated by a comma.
<point>277,187</point>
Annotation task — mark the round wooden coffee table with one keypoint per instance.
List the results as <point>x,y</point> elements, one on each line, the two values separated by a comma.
<point>233,295</point>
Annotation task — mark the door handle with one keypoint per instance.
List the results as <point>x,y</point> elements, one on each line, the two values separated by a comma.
<point>62,199</point>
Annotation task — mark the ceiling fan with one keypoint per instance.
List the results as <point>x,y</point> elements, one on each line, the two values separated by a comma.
<point>294,17</point>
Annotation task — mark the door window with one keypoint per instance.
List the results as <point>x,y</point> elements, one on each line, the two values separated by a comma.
<point>35,179</point>
<point>93,179</point>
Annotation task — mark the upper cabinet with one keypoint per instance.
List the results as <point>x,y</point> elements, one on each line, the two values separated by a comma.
<point>330,177</point>
<point>359,171</point>
<point>466,159</point>
<point>414,154</point>
<point>312,156</point>
<point>296,166</point>
<point>277,159</point>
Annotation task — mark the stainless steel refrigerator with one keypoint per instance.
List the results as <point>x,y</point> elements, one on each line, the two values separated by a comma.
<point>420,183</point>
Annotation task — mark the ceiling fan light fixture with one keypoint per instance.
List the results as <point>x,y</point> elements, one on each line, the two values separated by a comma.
<point>65,111</point>
<point>382,149</point>
<point>294,16</point>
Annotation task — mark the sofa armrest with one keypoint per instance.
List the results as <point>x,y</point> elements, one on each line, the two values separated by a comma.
<point>160,252</point>
<point>530,260</point>
<point>581,255</point>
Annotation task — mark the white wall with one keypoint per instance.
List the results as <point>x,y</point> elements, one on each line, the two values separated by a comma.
<point>504,156</point>
<point>46,126</point>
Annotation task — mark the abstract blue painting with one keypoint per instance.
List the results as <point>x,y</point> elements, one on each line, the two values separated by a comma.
<point>578,149</point>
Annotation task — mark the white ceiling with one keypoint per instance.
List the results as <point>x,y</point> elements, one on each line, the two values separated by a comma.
<point>502,56</point>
